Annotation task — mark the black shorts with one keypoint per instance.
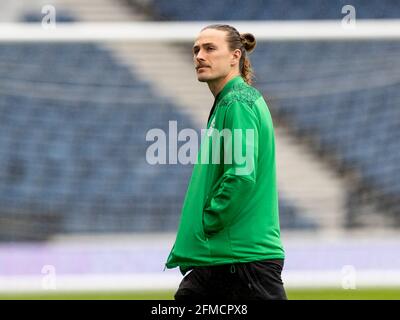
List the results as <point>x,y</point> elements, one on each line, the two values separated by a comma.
<point>258,280</point>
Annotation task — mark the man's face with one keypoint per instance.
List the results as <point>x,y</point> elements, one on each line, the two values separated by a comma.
<point>211,55</point>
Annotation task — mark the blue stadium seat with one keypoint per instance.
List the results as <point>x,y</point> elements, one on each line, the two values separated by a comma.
<point>207,10</point>
<point>359,127</point>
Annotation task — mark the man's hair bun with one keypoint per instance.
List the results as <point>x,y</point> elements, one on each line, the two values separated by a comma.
<point>249,41</point>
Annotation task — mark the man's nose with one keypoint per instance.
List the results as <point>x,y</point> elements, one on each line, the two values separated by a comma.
<point>199,56</point>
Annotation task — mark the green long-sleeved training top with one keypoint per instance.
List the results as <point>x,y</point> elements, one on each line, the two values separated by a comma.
<point>230,212</point>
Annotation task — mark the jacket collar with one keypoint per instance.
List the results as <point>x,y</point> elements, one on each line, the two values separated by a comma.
<point>228,87</point>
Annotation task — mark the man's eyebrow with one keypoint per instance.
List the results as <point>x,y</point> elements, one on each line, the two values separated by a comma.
<point>204,44</point>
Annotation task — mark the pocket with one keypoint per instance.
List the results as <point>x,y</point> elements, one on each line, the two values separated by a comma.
<point>203,229</point>
<point>268,270</point>
<point>203,217</point>
<point>212,223</point>
<point>207,203</point>
<point>212,192</point>
<point>246,276</point>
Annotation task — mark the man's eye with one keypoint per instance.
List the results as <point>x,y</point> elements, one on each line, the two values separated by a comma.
<point>210,48</point>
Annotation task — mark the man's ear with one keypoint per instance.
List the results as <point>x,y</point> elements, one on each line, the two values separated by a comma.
<point>236,55</point>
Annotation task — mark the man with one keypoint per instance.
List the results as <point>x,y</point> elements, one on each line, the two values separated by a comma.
<point>229,234</point>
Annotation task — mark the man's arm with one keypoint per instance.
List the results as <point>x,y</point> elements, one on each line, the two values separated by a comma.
<point>235,186</point>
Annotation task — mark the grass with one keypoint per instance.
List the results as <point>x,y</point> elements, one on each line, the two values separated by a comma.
<point>293,294</point>
<point>341,294</point>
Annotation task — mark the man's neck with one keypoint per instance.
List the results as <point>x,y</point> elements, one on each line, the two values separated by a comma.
<point>218,84</point>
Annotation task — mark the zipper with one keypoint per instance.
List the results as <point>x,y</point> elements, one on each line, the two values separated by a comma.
<point>213,108</point>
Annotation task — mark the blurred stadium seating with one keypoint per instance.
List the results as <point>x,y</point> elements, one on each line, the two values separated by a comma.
<point>265,10</point>
<point>73,142</point>
<point>348,111</point>
<point>343,98</point>
<point>73,122</point>
<point>74,137</point>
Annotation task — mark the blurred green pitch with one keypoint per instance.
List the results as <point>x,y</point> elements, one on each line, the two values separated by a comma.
<point>293,294</point>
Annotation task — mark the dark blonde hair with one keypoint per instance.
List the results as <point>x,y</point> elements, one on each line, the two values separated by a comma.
<point>246,42</point>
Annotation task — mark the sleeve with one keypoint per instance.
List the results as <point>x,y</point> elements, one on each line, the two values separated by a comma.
<point>234,188</point>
